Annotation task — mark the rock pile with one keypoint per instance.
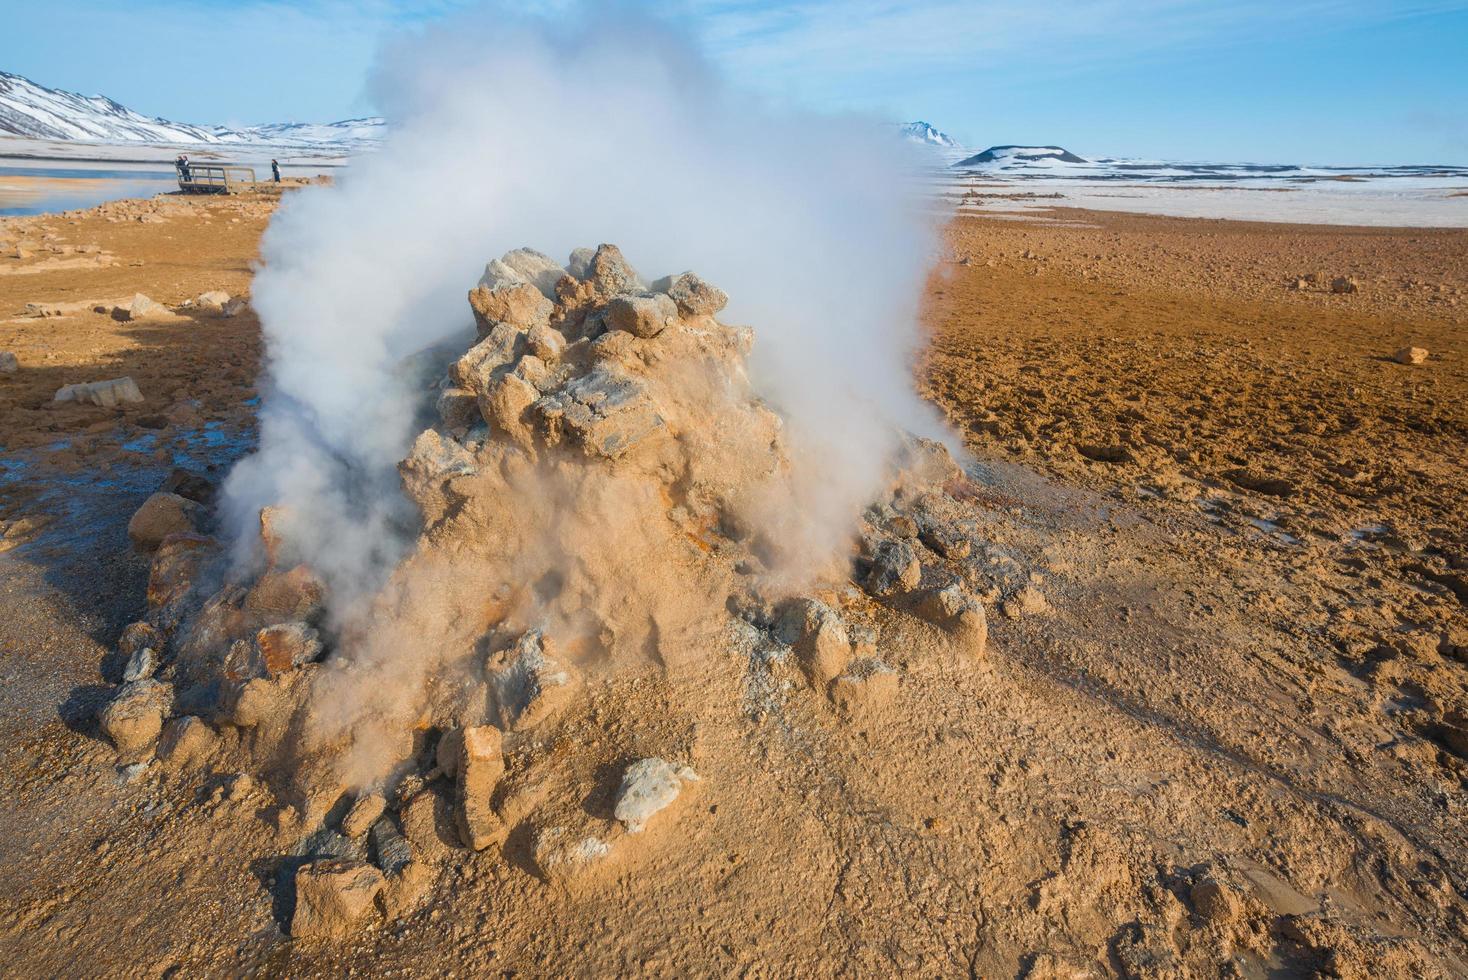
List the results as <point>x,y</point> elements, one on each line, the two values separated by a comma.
<point>592,496</point>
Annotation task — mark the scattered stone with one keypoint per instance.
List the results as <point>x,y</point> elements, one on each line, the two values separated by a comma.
<point>1028,601</point>
<point>136,308</point>
<point>211,303</point>
<point>1344,284</point>
<point>945,541</point>
<point>560,853</point>
<point>103,394</point>
<point>1410,355</point>
<point>529,685</point>
<point>693,296</point>
<point>648,787</point>
<point>334,898</point>
<point>186,742</point>
<point>187,483</point>
<point>952,608</point>
<point>234,307</point>
<point>136,636</point>
<point>868,683</point>
<point>287,646</point>
<point>1216,902</point>
<point>365,812</point>
<point>479,767</point>
<point>161,515</point>
<point>895,569</point>
<point>641,316</point>
<point>9,363</point>
<point>133,719</point>
<point>818,636</point>
<point>140,665</point>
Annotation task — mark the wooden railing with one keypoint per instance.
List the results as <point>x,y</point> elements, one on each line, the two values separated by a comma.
<point>216,178</point>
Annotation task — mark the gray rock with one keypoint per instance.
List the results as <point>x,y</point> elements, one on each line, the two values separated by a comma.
<point>498,275</point>
<point>649,786</point>
<point>140,665</point>
<point>9,364</point>
<point>895,570</point>
<point>641,316</point>
<point>488,359</point>
<point>390,848</point>
<point>580,264</point>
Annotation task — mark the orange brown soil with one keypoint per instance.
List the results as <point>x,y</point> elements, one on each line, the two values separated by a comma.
<point>1228,741</point>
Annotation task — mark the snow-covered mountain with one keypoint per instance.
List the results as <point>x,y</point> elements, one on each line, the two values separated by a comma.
<point>28,109</point>
<point>923,132</point>
<point>1002,156</point>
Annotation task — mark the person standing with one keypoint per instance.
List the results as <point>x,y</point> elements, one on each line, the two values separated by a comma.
<point>275,170</point>
<point>182,166</point>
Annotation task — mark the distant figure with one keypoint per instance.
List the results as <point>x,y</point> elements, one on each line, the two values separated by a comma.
<point>275,170</point>
<point>182,165</point>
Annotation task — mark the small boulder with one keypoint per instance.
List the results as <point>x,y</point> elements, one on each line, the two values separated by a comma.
<point>479,766</point>
<point>136,636</point>
<point>187,742</point>
<point>141,664</point>
<point>1216,902</point>
<point>867,684</point>
<point>366,810</point>
<point>579,265</point>
<point>1410,355</point>
<point>286,646</point>
<point>103,394</point>
<point>894,570</point>
<point>819,637</point>
<point>1028,601</point>
<point>535,268</point>
<point>641,316</point>
<point>693,296</point>
<point>133,719</point>
<point>211,303</point>
<point>334,898</point>
<point>1344,284</point>
<point>458,408</point>
<point>952,609</point>
<point>521,306</point>
<point>389,845</point>
<point>9,364</point>
<point>161,515</point>
<point>137,308</point>
<point>610,273</point>
<point>648,787</point>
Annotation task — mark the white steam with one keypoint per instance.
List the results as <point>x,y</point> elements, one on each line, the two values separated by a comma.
<point>556,135</point>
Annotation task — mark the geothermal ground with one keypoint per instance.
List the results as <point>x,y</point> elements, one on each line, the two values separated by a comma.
<point>1220,729</point>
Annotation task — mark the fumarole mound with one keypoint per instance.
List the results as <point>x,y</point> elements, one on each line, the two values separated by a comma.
<point>604,574</point>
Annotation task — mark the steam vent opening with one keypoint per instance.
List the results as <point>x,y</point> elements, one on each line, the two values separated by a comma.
<point>601,592</point>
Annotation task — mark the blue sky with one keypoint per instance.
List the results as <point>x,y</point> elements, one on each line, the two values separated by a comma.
<point>1311,81</point>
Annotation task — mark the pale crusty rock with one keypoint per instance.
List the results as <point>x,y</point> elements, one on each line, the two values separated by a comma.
<point>641,316</point>
<point>693,296</point>
<point>579,265</point>
<point>187,742</point>
<point>102,394</point>
<point>505,407</point>
<point>365,811</point>
<point>1028,601</point>
<point>535,268</point>
<point>133,719</point>
<point>648,787</point>
<point>522,306</point>
<point>605,412</point>
<point>818,636</point>
<point>529,685</point>
<point>610,273</point>
<point>458,408</point>
<point>546,342</point>
<point>1410,355</point>
<point>478,769</point>
<point>489,358</point>
<point>334,898</point>
<point>161,515</point>
<point>561,853</point>
<point>137,308</point>
<point>867,684</point>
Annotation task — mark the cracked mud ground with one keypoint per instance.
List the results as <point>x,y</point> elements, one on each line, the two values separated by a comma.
<point>1220,730</point>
